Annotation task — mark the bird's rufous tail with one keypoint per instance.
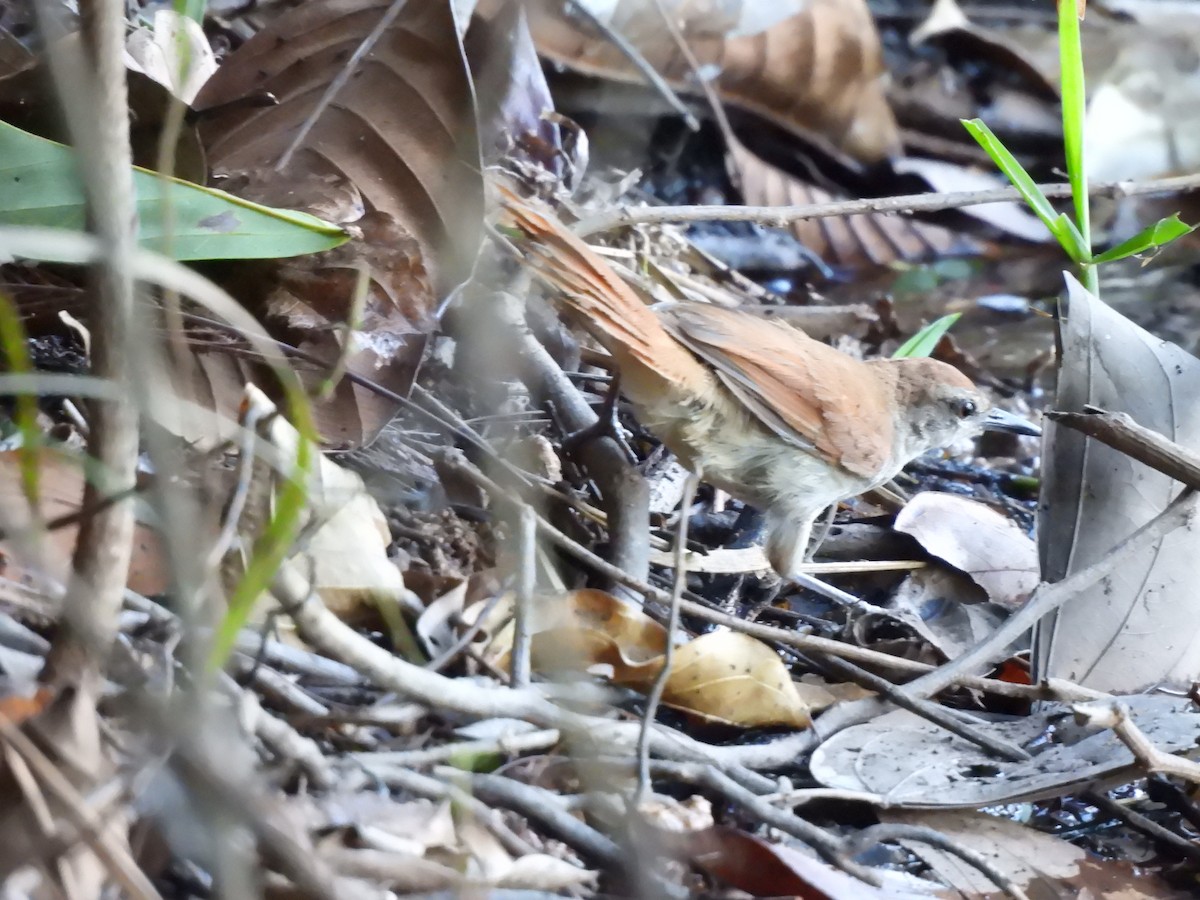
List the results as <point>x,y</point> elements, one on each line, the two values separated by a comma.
<point>649,358</point>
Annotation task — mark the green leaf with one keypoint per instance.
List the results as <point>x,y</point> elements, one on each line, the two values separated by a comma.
<point>1161,232</point>
<point>39,185</point>
<point>1071,240</point>
<point>1013,170</point>
<point>923,342</point>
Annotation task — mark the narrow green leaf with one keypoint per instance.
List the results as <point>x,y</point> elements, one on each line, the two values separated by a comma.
<point>1074,105</point>
<point>1161,232</point>
<point>923,342</point>
<point>1070,239</point>
<point>39,185</point>
<point>1013,170</point>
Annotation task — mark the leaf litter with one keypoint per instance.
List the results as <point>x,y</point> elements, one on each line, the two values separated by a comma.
<point>762,716</point>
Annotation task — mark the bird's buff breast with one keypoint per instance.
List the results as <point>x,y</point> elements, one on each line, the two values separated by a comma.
<point>732,450</point>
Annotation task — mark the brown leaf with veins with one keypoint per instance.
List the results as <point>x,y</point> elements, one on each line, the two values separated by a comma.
<point>814,68</point>
<point>391,155</point>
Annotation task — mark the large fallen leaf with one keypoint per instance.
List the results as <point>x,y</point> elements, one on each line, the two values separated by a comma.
<point>813,67</point>
<point>399,135</point>
<point>1141,625</point>
<point>393,156</point>
<point>39,185</point>
<point>909,762</point>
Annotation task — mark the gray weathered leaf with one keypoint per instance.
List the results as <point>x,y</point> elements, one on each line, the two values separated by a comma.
<point>1140,625</point>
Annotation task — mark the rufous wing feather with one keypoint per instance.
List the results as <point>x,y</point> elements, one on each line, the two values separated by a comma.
<point>795,385</point>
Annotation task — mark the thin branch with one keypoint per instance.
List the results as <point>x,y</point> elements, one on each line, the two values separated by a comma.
<point>780,216</point>
<point>660,680</point>
<point>92,87</point>
<point>526,584</point>
<point>1115,715</point>
<point>1122,433</point>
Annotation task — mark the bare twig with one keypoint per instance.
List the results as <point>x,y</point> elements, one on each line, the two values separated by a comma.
<point>94,97</point>
<point>1115,715</point>
<point>526,583</point>
<point>1122,433</point>
<point>436,789</point>
<point>660,680</point>
<point>1135,819</point>
<point>780,216</point>
<point>546,808</point>
<point>95,832</point>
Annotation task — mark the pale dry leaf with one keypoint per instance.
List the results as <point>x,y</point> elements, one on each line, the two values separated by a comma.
<point>977,540</point>
<point>726,676</point>
<point>945,608</point>
<point>174,51</point>
<point>1041,864</point>
<point>346,555</point>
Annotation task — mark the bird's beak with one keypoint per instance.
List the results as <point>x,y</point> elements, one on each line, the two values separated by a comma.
<point>1002,420</point>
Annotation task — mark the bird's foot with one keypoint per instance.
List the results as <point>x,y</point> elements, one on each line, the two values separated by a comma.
<point>606,425</point>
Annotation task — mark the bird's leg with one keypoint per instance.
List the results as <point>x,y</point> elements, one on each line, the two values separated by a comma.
<point>821,533</point>
<point>787,539</point>
<point>606,424</point>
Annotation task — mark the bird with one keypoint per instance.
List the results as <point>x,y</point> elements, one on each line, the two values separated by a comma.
<point>751,404</point>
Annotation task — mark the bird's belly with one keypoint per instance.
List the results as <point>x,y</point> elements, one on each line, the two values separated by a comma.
<point>732,450</point>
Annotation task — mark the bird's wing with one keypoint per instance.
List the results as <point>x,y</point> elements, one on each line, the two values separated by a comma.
<point>801,389</point>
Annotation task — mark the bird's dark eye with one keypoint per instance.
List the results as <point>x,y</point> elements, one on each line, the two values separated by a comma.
<point>965,408</point>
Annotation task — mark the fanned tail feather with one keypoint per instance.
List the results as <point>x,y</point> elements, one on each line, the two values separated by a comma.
<point>649,358</point>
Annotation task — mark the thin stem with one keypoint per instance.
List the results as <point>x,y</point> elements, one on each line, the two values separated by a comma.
<point>660,683</point>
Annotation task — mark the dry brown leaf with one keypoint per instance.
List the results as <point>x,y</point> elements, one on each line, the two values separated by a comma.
<point>394,158</point>
<point>763,869</point>
<point>60,486</point>
<point>813,68</point>
<point>871,239</point>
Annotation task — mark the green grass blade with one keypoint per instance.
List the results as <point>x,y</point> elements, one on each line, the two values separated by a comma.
<point>1013,170</point>
<point>1071,240</point>
<point>39,186</point>
<point>1161,232</point>
<point>1074,107</point>
<point>923,342</point>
